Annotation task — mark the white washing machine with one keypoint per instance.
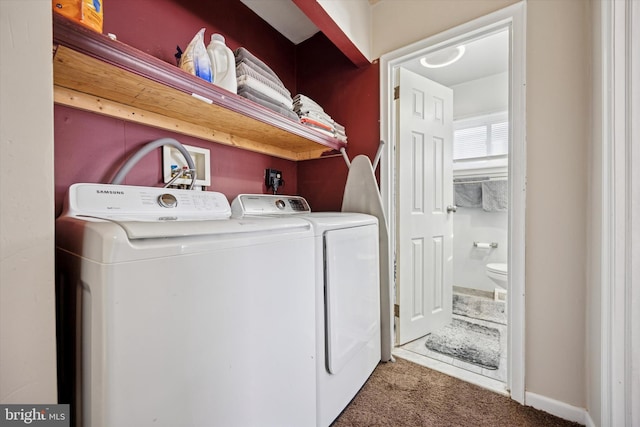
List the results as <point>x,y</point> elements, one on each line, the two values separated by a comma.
<point>347,292</point>
<point>173,314</point>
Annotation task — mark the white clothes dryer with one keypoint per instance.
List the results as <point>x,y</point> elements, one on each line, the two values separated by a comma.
<point>173,314</point>
<point>347,292</point>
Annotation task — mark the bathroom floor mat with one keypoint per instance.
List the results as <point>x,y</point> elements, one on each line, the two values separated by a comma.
<point>481,308</point>
<point>469,342</point>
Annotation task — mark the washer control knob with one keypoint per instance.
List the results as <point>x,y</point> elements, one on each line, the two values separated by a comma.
<point>167,200</point>
<point>280,204</point>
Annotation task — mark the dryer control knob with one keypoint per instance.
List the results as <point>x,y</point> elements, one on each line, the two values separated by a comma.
<point>167,200</point>
<point>280,204</point>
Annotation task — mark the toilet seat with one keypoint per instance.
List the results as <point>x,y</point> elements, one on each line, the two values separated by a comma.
<point>497,268</point>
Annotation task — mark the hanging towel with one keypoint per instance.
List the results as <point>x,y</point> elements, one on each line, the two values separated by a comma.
<point>361,195</point>
<point>495,195</point>
<point>468,195</point>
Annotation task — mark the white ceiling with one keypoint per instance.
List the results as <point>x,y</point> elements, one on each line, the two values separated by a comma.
<point>483,57</point>
<point>284,16</point>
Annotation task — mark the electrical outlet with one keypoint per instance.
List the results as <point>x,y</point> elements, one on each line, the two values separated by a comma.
<point>273,179</point>
<point>201,158</point>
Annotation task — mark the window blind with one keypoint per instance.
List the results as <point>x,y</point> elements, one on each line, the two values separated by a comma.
<point>481,137</point>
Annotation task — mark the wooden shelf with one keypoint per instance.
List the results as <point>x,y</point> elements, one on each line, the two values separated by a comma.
<point>94,73</point>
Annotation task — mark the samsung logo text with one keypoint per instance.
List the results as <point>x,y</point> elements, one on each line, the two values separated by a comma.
<point>110,192</point>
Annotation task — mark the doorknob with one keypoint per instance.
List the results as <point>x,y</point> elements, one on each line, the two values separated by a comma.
<point>452,208</point>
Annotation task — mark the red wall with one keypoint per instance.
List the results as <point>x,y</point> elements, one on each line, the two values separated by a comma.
<point>157,26</point>
<point>90,147</point>
<point>350,95</point>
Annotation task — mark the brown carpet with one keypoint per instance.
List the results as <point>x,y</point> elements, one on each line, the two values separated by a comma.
<point>405,394</point>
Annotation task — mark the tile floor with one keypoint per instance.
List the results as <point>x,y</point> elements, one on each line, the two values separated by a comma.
<point>417,352</point>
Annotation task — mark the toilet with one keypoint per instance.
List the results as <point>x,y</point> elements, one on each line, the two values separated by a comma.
<point>499,274</point>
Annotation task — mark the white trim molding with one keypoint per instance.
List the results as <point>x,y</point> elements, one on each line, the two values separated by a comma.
<point>559,409</point>
<point>620,374</point>
<point>514,18</point>
<point>633,356</point>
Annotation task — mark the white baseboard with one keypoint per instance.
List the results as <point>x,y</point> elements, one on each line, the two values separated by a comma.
<point>559,409</point>
<point>588,421</point>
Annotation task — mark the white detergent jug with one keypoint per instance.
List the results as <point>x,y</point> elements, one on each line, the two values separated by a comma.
<point>223,64</point>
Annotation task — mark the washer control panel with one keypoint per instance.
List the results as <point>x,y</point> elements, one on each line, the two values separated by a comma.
<point>106,200</point>
<point>267,204</point>
<point>167,200</point>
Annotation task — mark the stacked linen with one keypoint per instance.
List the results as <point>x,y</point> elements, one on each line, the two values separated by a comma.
<point>340,131</point>
<point>258,82</point>
<point>313,115</point>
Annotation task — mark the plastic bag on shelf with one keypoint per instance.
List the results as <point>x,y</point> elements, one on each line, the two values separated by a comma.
<point>195,59</point>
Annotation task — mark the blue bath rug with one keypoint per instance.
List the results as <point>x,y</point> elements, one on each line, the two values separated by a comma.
<point>469,342</point>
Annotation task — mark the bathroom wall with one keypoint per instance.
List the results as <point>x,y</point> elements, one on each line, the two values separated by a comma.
<point>475,225</point>
<point>471,99</point>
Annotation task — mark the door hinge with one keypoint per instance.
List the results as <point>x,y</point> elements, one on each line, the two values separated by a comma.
<point>396,310</point>
<point>396,93</point>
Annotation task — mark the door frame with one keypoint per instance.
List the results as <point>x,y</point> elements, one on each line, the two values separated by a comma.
<point>514,18</point>
<point>620,213</point>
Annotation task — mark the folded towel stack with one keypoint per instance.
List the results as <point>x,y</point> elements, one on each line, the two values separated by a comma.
<point>258,82</point>
<point>313,115</point>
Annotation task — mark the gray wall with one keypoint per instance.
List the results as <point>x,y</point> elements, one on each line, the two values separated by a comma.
<point>27,311</point>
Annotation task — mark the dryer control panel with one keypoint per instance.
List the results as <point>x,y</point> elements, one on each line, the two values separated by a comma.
<point>267,204</point>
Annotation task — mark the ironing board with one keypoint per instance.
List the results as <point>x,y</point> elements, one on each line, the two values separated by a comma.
<point>361,195</point>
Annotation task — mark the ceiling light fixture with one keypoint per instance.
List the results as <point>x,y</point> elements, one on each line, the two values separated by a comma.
<point>442,58</point>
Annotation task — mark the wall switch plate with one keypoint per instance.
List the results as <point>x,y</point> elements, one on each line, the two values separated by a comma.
<point>201,158</point>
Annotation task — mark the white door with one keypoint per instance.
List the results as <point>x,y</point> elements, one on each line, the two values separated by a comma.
<point>424,194</point>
